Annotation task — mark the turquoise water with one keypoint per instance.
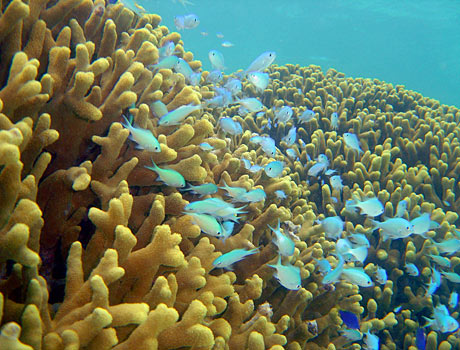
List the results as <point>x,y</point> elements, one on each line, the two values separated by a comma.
<point>414,43</point>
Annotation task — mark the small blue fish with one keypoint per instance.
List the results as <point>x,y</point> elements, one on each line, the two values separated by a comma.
<point>262,62</point>
<point>203,190</point>
<point>186,21</point>
<point>176,116</point>
<point>381,275</point>
<point>334,121</point>
<point>214,77</point>
<point>169,176</point>
<point>259,80</point>
<point>143,137</point>
<point>291,136</point>
<point>440,260</point>
<point>167,49</point>
<point>359,239</point>
<point>333,226</point>
<point>217,60</point>
<point>253,196</point>
<point>283,114</point>
<point>401,209</point>
<point>207,223</point>
<point>448,246</point>
<point>252,104</point>
<point>230,126</point>
<point>371,342</point>
<point>234,86</point>
<point>394,228</point>
<point>274,168</point>
<point>371,207</point>
<point>441,321</point>
<point>334,275</point>
<point>206,146</point>
<point>183,68</point>
<point>267,143</point>
<point>285,245</point>
<point>453,300</point>
<point>227,43</point>
<point>287,275</point>
<point>336,183</point>
<point>280,194</point>
<point>306,116</point>
<point>291,153</point>
<point>228,227</point>
<point>350,319</point>
<point>420,340</point>
<point>351,334</point>
<point>228,259</point>
<point>168,62</point>
<point>195,78</point>
<point>357,276</point>
<point>159,109</point>
<point>324,266</point>
<point>411,269</point>
<point>233,192</point>
<point>351,140</point>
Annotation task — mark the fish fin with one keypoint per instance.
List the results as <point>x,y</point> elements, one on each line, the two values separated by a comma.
<point>429,322</point>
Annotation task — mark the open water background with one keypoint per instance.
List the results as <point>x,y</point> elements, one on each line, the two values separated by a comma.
<point>415,43</point>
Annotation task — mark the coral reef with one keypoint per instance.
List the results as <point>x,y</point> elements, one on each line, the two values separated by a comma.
<point>95,253</point>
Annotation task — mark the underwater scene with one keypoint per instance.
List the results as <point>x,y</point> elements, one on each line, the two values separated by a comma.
<point>166,185</point>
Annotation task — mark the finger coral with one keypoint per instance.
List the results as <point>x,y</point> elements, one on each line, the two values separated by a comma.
<point>97,253</point>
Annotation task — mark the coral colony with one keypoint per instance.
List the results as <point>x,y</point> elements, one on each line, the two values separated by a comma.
<point>148,204</point>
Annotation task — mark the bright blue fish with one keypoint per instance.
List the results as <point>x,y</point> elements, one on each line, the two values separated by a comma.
<point>274,169</point>
<point>420,340</point>
<point>350,319</point>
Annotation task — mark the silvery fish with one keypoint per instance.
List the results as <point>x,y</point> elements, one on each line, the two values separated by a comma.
<point>306,116</point>
<point>334,121</point>
<point>189,21</point>
<point>203,190</point>
<point>287,275</point>
<point>168,62</point>
<point>217,60</point>
<point>401,209</point>
<point>285,245</point>
<point>143,137</point>
<point>252,104</point>
<point>334,275</point>
<point>214,77</point>
<point>441,321</point>
<point>291,136</point>
<point>207,223</point>
<point>336,183</point>
<point>169,176</point>
<point>283,114</point>
<point>371,207</point>
<point>262,62</point>
<point>176,116</point>
<point>351,140</point>
<point>394,228</point>
<point>333,226</point>
<point>274,168</point>
<point>228,259</point>
<point>253,196</point>
<point>183,68</point>
<point>230,126</point>
<point>259,80</point>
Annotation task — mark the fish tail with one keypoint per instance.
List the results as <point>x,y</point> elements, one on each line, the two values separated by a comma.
<point>128,122</point>
<point>376,225</point>
<point>429,322</point>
